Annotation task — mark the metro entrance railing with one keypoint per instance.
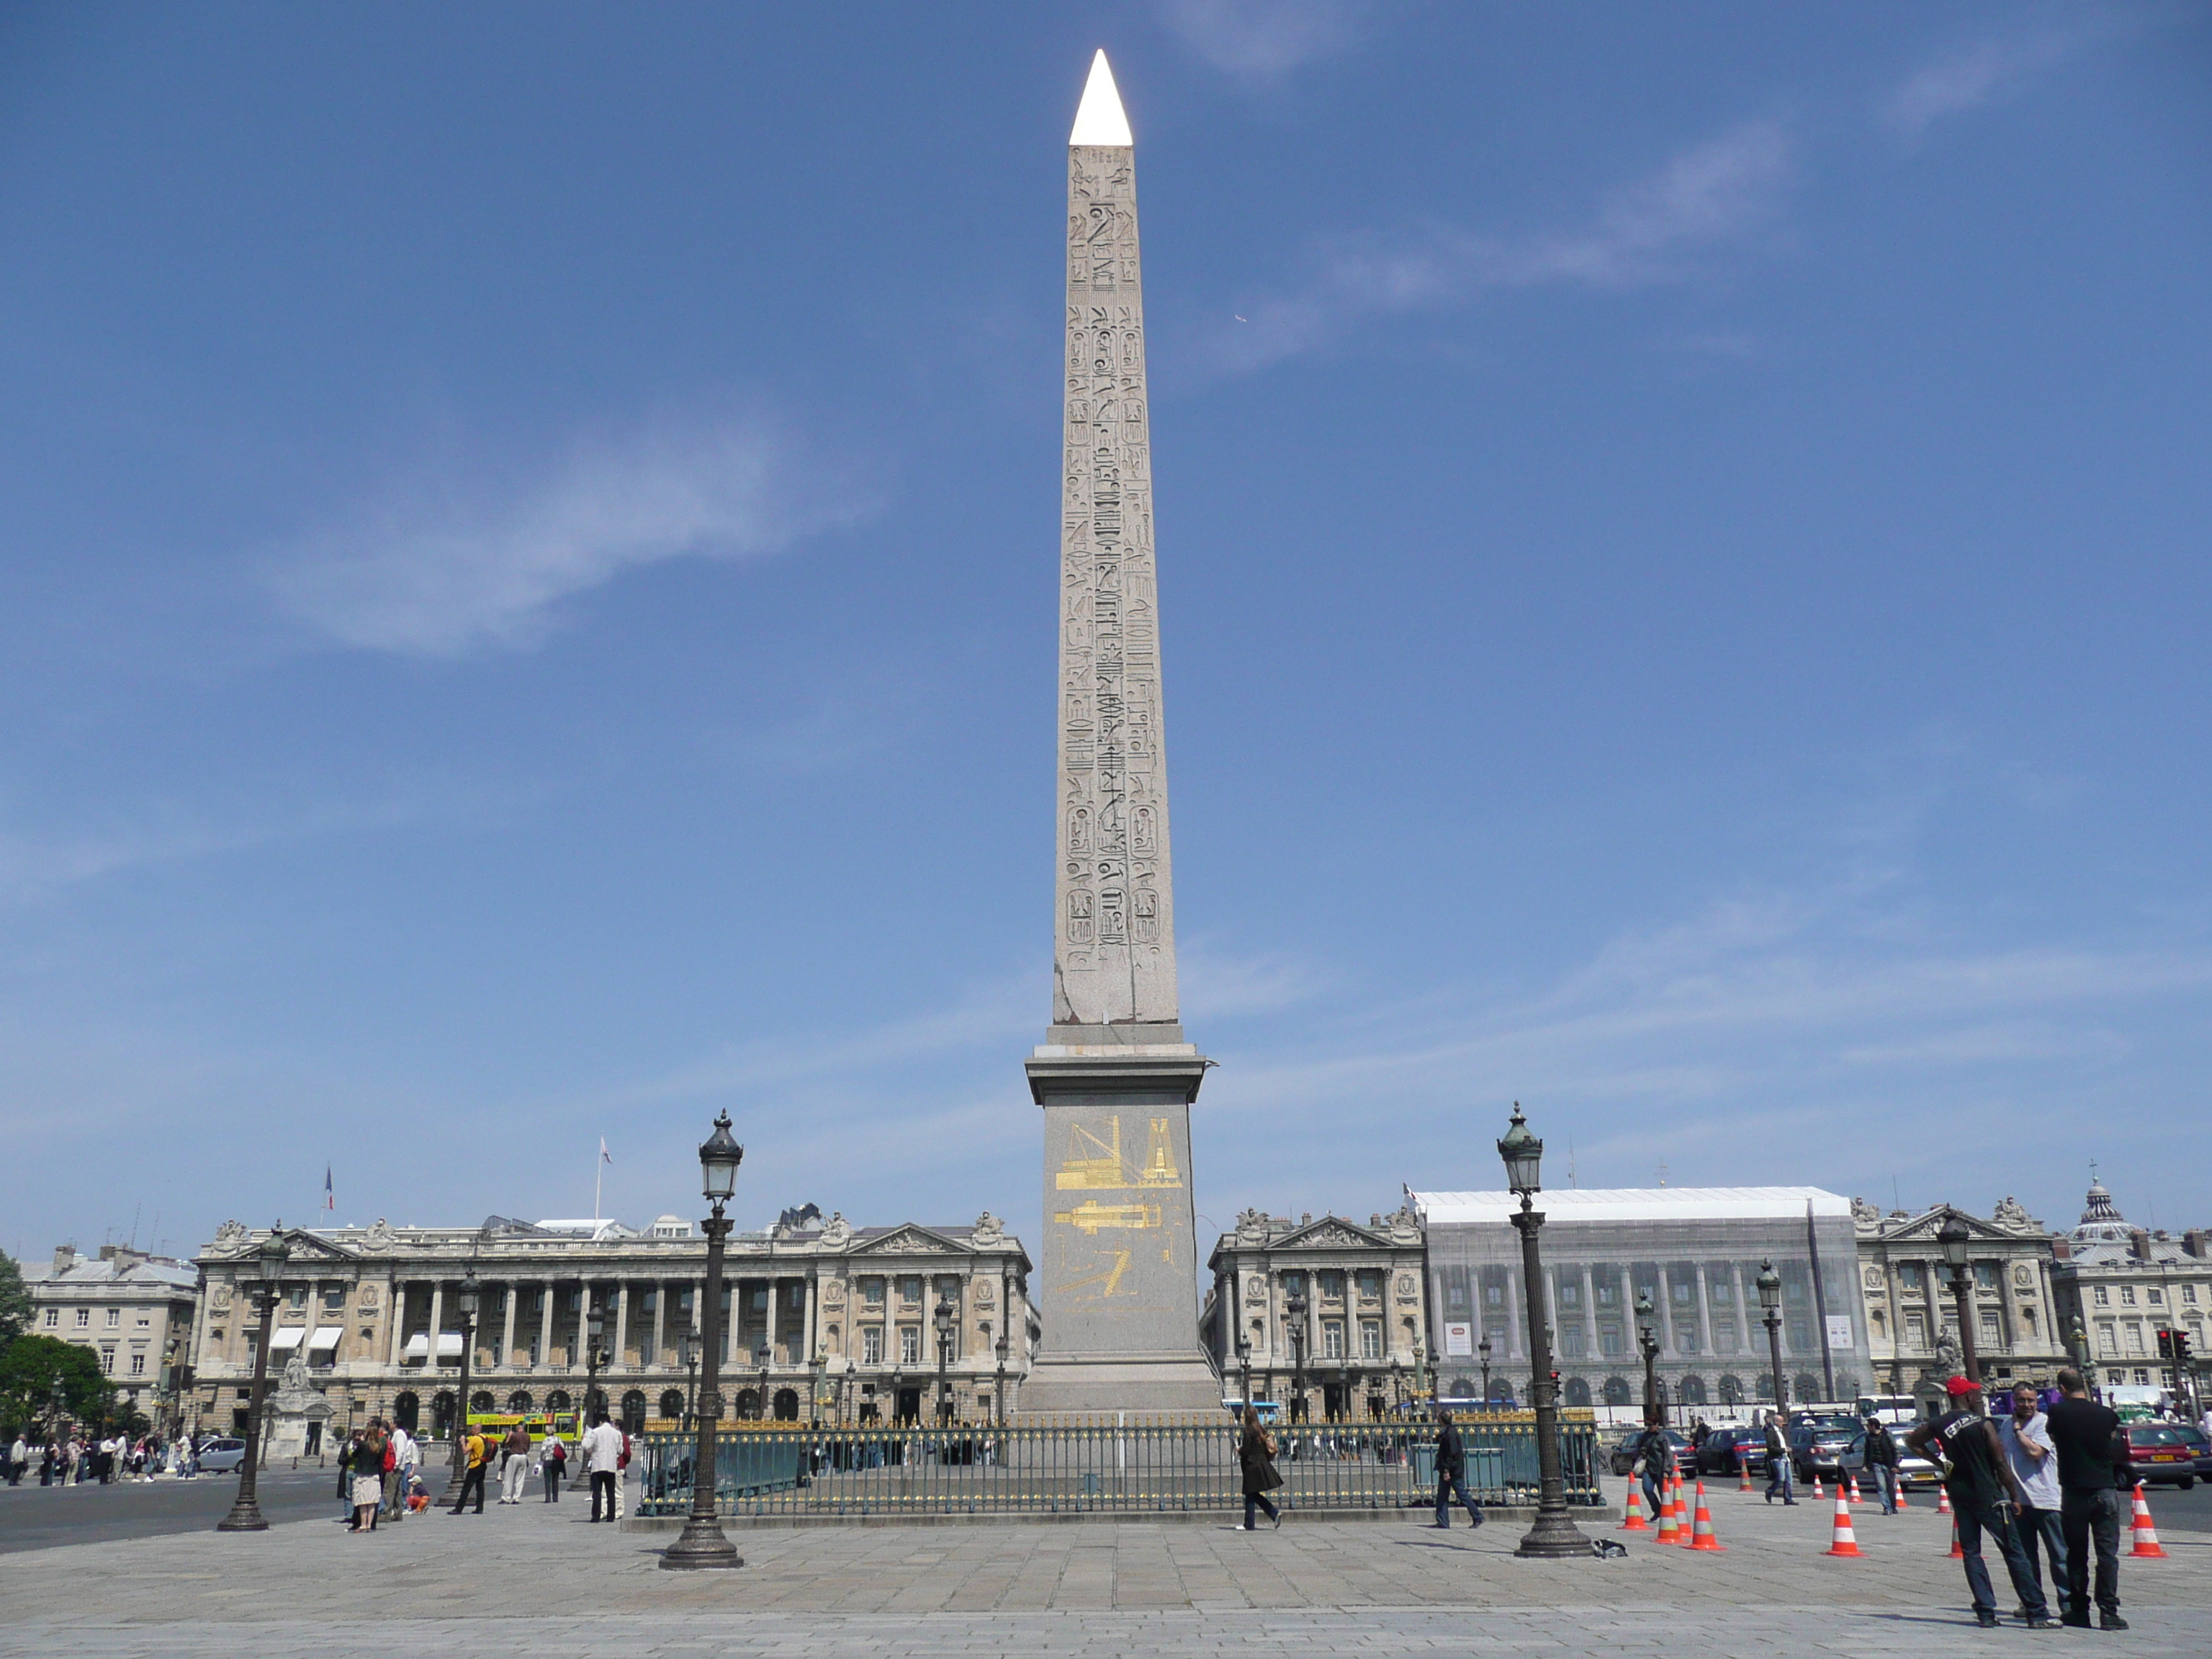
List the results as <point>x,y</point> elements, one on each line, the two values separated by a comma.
<point>1109,1464</point>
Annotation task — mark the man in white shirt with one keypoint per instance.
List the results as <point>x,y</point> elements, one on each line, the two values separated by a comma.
<point>2027,1447</point>
<point>404,1455</point>
<point>602,1447</point>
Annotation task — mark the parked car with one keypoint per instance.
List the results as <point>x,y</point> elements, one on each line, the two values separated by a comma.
<point>221,1455</point>
<point>1623,1460</point>
<point>1816,1446</point>
<point>2199,1446</point>
<point>1727,1451</point>
<point>2160,1455</point>
<point>1912,1469</point>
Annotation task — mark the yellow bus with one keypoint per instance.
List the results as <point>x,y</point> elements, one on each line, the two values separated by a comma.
<point>497,1425</point>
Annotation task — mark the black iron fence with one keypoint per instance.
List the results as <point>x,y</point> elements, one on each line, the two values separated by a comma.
<point>1111,1464</point>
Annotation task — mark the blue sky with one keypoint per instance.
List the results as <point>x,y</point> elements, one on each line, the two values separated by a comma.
<point>527,552</point>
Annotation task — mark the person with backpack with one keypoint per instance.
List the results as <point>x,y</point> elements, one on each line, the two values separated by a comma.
<point>552,1462</point>
<point>1451,1474</point>
<point>1256,1460</point>
<point>476,1454</point>
<point>1654,1454</point>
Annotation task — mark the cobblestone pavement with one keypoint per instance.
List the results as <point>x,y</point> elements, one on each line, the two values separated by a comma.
<point>536,1579</point>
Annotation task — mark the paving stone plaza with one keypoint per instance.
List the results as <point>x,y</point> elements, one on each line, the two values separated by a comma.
<point>537,1578</point>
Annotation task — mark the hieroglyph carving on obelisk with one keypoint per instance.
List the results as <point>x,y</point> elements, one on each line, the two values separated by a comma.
<point>1113,958</point>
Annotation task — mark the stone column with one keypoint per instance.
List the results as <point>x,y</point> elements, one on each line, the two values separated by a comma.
<point>507,1337</point>
<point>1706,1344</point>
<point>545,1321</point>
<point>621,1297</point>
<point>813,1316</point>
<point>774,1296</point>
<point>437,1323</point>
<point>398,1323</point>
<point>659,1323</point>
<point>1517,1335</point>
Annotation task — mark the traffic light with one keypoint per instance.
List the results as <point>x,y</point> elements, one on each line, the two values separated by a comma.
<point>2181,1355</point>
<point>2165,1344</point>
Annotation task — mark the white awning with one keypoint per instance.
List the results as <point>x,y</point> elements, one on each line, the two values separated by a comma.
<point>326,1336</point>
<point>449,1345</point>
<point>418,1347</point>
<point>285,1341</point>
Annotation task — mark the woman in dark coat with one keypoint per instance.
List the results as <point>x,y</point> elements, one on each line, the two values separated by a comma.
<point>1255,1455</point>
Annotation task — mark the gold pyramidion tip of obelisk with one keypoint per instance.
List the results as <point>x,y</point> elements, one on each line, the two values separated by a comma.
<point>1098,118</point>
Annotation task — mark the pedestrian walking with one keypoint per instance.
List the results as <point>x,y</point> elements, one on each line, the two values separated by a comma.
<point>346,1450</point>
<point>514,1464</point>
<point>1984,1496</point>
<point>1451,1474</point>
<point>602,1449</point>
<point>1781,1470</point>
<point>19,1459</point>
<point>1256,1460</point>
<point>2026,1436</point>
<point>475,1453</point>
<point>552,1462</point>
<point>1653,1454</point>
<point>2094,1469</point>
<point>397,1471</point>
<point>1881,1462</point>
<point>369,1454</point>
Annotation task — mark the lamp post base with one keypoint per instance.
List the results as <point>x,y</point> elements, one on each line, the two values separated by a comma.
<point>1552,1537</point>
<point>702,1545</point>
<point>245,1516</point>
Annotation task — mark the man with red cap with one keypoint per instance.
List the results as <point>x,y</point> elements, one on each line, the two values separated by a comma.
<point>1984,1496</point>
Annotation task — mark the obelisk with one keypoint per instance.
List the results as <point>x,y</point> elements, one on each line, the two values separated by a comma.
<point>1114,1077</point>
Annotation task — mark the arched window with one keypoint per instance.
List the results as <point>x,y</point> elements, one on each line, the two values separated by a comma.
<point>1616,1391</point>
<point>632,1410</point>
<point>558,1400</point>
<point>519,1400</point>
<point>481,1400</point>
<point>1731,1389</point>
<point>1463,1388</point>
<point>748,1403</point>
<point>1807,1387</point>
<point>441,1414</point>
<point>672,1404</point>
<point>786,1405</point>
<point>1692,1390</point>
<point>1578,1391</point>
<point>407,1410</point>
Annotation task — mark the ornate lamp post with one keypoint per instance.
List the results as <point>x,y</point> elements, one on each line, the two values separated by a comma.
<point>764,1355</point>
<point>1296,1307</point>
<point>852,1383</point>
<point>467,1299</point>
<point>1483,1351</point>
<point>1956,1241</point>
<point>1647,1344</point>
<point>1244,1363</point>
<point>1397,1382</point>
<point>702,1543</point>
<point>1421,1373</point>
<point>1553,1534</point>
<point>689,1343</point>
<point>814,1388</point>
<point>1769,1297</point>
<point>2077,1345</point>
<point>246,1512</point>
<point>944,1318</point>
<point>998,1393</point>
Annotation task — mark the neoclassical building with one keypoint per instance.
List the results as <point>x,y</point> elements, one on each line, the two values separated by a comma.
<point>131,1307</point>
<point>2125,1284</point>
<point>1359,1334</point>
<point>1912,1316</point>
<point>819,1319</point>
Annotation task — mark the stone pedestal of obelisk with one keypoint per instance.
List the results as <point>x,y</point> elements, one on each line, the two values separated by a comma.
<point>1115,1078</point>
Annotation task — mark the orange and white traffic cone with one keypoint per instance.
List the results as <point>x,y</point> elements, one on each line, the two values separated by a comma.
<point>1668,1530</point>
<point>2146,1536</point>
<point>1702,1536</point>
<point>1819,1497</point>
<point>1856,1498</point>
<point>1957,1552</point>
<point>1844,1542</point>
<point>1681,1514</point>
<point>1942,1500</point>
<point>1634,1521</point>
<point>1743,1471</point>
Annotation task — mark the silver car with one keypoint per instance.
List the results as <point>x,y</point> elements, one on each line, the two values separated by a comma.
<point>221,1457</point>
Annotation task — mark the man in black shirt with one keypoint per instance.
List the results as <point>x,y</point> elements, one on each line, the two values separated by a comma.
<point>1983,1494</point>
<point>2093,1467</point>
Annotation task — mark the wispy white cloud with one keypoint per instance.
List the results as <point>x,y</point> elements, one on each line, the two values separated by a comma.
<point>1642,233</point>
<point>1982,72</point>
<point>1262,39</point>
<point>444,565</point>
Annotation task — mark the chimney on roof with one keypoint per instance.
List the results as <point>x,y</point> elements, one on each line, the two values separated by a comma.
<point>2197,1242</point>
<point>2061,1249</point>
<point>65,1258</point>
<point>2139,1243</point>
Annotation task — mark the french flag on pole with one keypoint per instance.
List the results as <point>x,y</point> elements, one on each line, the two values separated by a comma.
<point>330,1193</point>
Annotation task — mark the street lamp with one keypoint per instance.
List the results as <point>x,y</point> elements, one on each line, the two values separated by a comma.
<point>689,1343</point>
<point>1244,1362</point>
<point>764,1354</point>
<point>703,1544</point>
<point>1647,1344</point>
<point>1483,1350</point>
<point>269,1265</point>
<point>595,1327</point>
<point>1553,1534</point>
<point>814,1388</point>
<point>1956,1241</point>
<point>467,1299</point>
<point>1769,1297</point>
<point>1296,1307</point>
<point>1420,1372</point>
<point>998,1393</point>
<point>944,1320</point>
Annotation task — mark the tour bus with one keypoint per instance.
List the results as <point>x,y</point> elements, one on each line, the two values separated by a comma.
<point>496,1424</point>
